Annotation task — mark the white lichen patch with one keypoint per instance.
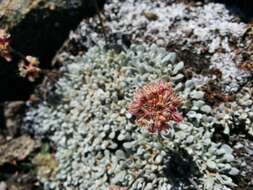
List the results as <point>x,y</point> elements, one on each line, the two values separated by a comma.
<point>97,142</point>
<point>237,115</point>
<point>207,29</point>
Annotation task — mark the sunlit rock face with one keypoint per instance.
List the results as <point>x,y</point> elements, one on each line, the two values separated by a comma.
<point>38,28</point>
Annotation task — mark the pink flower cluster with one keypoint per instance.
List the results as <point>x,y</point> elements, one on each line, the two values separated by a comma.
<point>154,105</point>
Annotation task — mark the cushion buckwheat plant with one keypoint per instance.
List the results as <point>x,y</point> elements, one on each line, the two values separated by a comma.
<point>99,146</point>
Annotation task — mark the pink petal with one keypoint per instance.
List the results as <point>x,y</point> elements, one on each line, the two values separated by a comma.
<point>177,117</point>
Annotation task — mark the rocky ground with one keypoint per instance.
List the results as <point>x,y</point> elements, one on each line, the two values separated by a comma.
<point>82,135</point>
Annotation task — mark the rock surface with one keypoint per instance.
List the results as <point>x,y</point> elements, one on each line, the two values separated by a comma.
<point>17,149</point>
<point>12,114</point>
<point>38,28</point>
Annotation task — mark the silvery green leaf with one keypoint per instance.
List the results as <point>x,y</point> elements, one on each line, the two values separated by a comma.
<point>209,183</point>
<point>234,171</point>
<point>211,164</point>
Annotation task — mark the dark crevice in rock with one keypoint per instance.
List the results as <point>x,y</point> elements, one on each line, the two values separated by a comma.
<point>242,8</point>
<point>40,32</point>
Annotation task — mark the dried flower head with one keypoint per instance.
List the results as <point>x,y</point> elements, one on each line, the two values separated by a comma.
<point>30,68</point>
<point>154,105</point>
<point>5,49</point>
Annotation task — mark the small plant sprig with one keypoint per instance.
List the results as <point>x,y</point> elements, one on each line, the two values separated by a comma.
<point>5,48</point>
<point>29,66</point>
<point>154,105</point>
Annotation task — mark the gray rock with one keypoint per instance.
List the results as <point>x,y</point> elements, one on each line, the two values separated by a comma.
<point>17,149</point>
<point>12,114</point>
